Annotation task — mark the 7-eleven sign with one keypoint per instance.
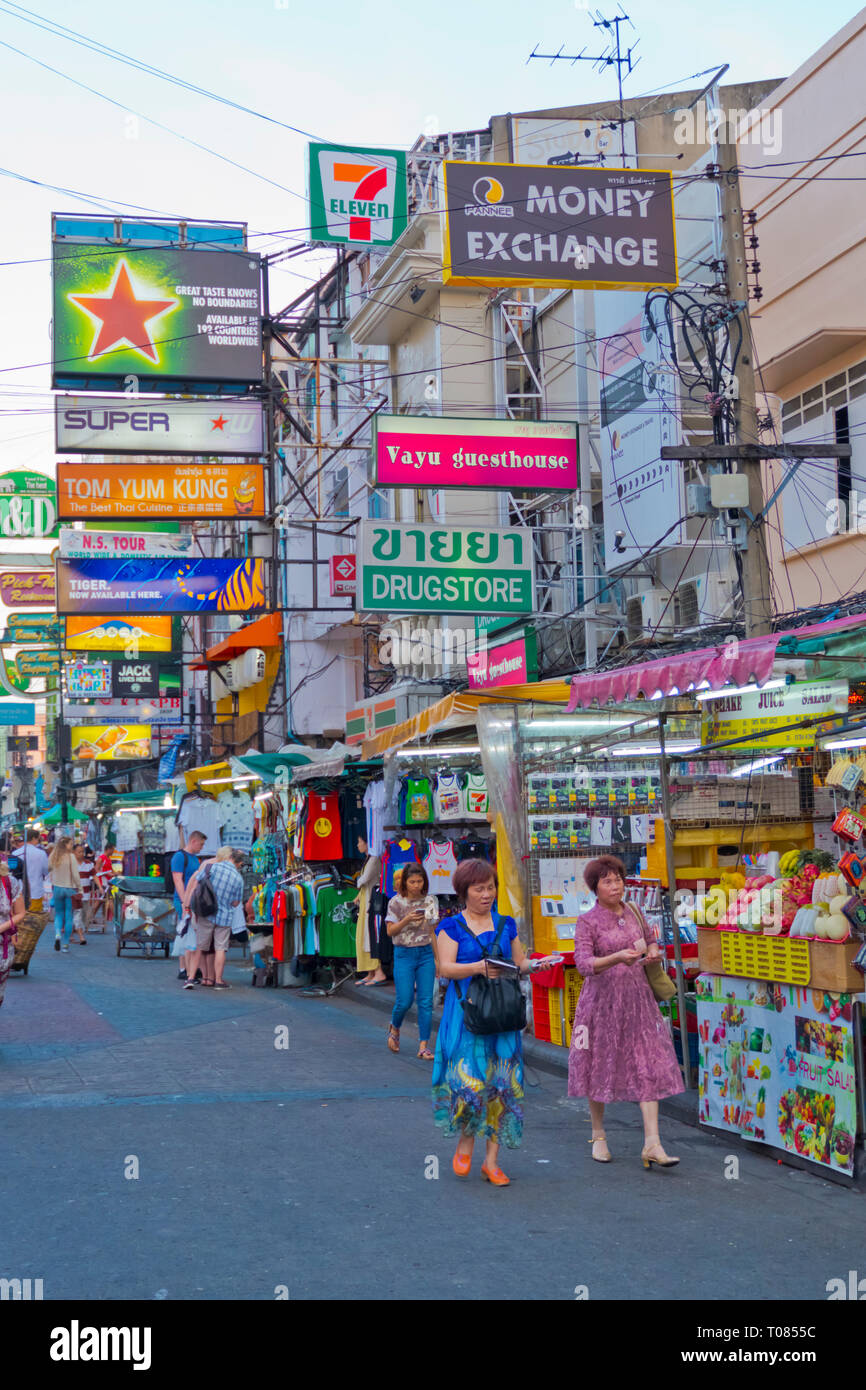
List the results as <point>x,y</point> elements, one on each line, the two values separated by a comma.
<point>357,195</point>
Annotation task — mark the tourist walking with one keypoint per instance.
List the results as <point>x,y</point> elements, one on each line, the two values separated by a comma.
<point>184,863</point>
<point>81,904</point>
<point>620,1044</point>
<point>213,933</point>
<point>478,1078</point>
<point>11,914</point>
<point>411,923</point>
<point>66,885</point>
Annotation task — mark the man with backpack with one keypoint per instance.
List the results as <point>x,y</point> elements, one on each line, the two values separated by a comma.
<point>213,893</point>
<point>183,865</point>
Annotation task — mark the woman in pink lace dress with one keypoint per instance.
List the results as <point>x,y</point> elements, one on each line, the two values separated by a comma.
<point>620,1045</point>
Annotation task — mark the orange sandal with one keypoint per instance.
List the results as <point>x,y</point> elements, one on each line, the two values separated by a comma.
<point>393,1038</point>
<point>462,1163</point>
<point>494,1176</point>
<point>424,1052</point>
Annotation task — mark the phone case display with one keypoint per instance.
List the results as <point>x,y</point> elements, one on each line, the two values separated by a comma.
<point>538,791</point>
<point>447,797</point>
<point>776,1064</point>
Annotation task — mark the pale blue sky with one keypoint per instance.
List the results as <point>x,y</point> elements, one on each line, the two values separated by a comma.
<point>378,72</point>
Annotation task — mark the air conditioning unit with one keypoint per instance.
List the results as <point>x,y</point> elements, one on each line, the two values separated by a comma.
<point>649,614</point>
<point>702,600</point>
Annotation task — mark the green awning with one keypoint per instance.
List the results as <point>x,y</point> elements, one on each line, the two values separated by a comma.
<point>55,815</point>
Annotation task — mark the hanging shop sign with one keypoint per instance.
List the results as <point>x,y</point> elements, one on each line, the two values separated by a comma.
<point>432,451</point>
<point>112,634</point>
<point>14,713</point>
<point>35,662</point>
<point>94,545</point>
<point>89,491</point>
<point>28,587</point>
<point>159,314</point>
<point>162,712</point>
<point>643,495</point>
<point>776,1064</point>
<point>109,742</point>
<point>31,627</point>
<point>136,425</point>
<point>92,681</point>
<point>138,678</point>
<point>28,504</point>
<point>761,712</point>
<point>510,663</point>
<point>435,569</point>
<point>357,195</point>
<point>528,224</point>
<point>212,585</point>
<point>343,574</point>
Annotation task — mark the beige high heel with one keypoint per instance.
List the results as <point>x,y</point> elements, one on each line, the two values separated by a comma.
<point>648,1158</point>
<point>600,1139</point>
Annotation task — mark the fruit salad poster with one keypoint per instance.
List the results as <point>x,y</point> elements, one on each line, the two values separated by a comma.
<point>776,1064</point>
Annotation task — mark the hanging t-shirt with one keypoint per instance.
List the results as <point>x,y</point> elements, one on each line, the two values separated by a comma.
<point>153,832</point>
<point>475,798</point>
<point>419,801</point>
<point>238,819</point>
<point>126,827</point>
<point>322,835</point>
<point>440,861</point>
<point>336,921</point>
<point>447,797</point>
<point>201,813</point>
<point>395,856</point>
<point>172,838</point>
<point>353,821</point>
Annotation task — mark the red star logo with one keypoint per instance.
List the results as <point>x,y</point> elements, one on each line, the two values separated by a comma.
<point>219,422</point>
<point>121,319</point>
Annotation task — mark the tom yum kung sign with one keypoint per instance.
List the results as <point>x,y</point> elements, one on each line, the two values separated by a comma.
<point>436,569</point>
<point>528,224</point>
<point>432,451</point>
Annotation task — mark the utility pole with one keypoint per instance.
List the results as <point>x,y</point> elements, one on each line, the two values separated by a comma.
<point>757,601</point>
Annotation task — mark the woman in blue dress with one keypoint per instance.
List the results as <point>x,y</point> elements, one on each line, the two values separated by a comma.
<point>477,1079</point>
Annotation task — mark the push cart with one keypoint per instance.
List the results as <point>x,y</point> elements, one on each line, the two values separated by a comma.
<point>144,917</point>
<point>29,932</point>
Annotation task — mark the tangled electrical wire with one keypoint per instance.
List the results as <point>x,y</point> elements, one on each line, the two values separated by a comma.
<point>708,352</point>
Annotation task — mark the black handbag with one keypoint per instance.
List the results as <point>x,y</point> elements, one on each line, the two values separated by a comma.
<point>203,902</point>
<point>494,1005</point>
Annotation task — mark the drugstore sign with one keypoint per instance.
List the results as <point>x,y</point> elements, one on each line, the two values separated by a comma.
<point>436,569</point>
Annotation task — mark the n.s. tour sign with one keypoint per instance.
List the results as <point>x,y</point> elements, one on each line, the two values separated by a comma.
<point>527,224</point>
<point>436,569</point>
<point>435,451</point>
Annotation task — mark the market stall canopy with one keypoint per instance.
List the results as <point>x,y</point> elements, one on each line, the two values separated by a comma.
<point>268,765</point>
<point>459,710</point>
<point>731,662</point>
<point>112,800</point>
<point>55,816</point>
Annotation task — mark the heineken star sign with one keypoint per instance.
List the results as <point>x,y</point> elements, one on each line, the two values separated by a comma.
<point>357,195</point>
<point>28,505</point>
<point>437,569</point>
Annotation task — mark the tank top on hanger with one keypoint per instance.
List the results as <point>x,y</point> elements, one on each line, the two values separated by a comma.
<point>447,798</point>
<point>440,861</point>
<point>475,797</point>
<point>419,801</point>
<point>322,834</point>
<point>395,857</point>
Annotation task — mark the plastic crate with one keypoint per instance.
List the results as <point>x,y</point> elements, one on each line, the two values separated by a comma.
<point>765,958</point>
<point>573,986</point>
<point>555,1005</point>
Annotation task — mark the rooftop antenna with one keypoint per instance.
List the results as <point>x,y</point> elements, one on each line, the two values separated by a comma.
<point>613,56</point>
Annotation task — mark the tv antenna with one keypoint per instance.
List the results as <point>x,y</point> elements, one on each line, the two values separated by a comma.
<point>613,56</point>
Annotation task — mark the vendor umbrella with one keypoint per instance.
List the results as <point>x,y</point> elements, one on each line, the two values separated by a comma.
<point>55,815</point>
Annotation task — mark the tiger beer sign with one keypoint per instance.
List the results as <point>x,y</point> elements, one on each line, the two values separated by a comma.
<point>149,492</point>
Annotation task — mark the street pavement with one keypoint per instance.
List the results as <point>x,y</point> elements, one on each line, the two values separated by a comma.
<point>158,1143</point>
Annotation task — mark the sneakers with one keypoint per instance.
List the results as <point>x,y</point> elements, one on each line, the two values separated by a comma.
<point>57,943</point>
<point>181,974</point>
<point>189,984</point>
<point>65,950</point>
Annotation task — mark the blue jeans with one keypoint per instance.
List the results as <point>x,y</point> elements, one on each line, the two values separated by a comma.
<point>414,970</point>
<point>62,900</point>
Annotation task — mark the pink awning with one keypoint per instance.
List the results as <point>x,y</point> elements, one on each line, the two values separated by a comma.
<point>732,662</point>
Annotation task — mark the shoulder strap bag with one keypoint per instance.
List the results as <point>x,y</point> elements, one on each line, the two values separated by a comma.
<point>660,981</point>
<point>494,1005</point>
<point>203,902</point>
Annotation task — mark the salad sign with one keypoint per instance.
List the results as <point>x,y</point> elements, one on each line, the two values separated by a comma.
<point>776,1064</point>
<point>436,569</point>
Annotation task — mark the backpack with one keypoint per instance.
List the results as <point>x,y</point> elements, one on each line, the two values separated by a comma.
<point>203,902</point>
